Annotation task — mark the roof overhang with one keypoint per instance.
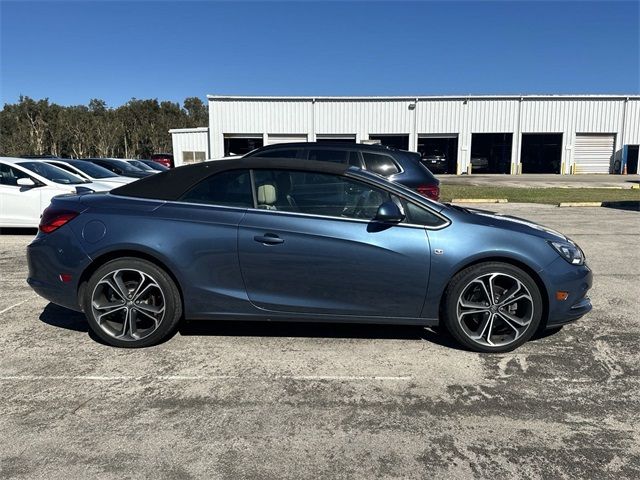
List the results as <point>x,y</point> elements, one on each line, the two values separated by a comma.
<point>189,130</point>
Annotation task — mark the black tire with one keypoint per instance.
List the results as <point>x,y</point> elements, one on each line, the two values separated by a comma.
<point>463,281</point>
<point>164,290</point>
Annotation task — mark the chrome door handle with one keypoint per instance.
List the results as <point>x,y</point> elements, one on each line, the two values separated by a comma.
<point>268,239</point>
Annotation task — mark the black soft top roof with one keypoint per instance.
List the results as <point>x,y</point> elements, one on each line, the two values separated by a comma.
<point>172,184</point>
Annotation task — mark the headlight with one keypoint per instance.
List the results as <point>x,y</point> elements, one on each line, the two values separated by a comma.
<point>569,251</point>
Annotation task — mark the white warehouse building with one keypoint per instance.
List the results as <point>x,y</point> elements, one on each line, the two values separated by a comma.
<point>480,134</point>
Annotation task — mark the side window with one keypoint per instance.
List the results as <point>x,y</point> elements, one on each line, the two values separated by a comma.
<point>284,153</point>
<point>317,193</point>
<point>380,163</point>
<point>354,159</point>
<point>9,176</point>
<point>230,189</point>
<point>421,216</point>
<point>189,157</point>
<point>326,155</point>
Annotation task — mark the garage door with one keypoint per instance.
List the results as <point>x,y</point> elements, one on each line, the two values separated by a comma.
<point>593,152</point>
<point>287,138</point>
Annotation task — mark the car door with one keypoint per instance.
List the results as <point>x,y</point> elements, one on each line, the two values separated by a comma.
<point>20,205</point>
<point>204,237</point>
<point>328,256</point>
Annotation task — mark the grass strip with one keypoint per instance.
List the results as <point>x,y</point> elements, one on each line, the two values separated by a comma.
<point>538,195</point>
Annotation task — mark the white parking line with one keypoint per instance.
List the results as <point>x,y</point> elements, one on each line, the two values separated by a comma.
<point>37,378</point>
<point>12,306</point>
<point>337,377</point>
<point>98,378</point>
<point>196,377</point>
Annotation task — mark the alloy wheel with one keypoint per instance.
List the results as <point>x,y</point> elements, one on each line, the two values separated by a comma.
<point>128,304</point>
<point>495,309</point>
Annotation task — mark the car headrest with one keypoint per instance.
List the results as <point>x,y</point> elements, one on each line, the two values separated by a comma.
<point>267,194</point>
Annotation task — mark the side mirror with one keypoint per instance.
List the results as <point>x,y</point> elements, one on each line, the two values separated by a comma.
<point>26,182</point>
<point>389,212</point>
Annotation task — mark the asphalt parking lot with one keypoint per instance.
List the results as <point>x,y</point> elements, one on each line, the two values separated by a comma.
<point>264,401</point>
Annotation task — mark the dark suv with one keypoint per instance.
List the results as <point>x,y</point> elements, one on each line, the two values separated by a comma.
<point>397,165</point>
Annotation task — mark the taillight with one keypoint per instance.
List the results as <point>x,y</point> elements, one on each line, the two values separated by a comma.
<point>429,191</point>
<point>52,219</point>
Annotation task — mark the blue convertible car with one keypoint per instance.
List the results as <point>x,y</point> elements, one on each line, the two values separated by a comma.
<point>272,239</point>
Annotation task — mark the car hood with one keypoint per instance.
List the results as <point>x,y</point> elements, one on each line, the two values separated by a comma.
<point>515,224</point>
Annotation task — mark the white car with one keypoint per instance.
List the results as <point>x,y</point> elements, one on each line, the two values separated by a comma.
<point>90,171</point>
<point>27,187</point>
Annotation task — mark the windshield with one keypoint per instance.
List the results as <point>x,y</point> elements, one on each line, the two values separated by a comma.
<point>91,169</point>
<point>124,166</point>
<point>140,165</point>
<point>54,174</point>
<point>155,165</point>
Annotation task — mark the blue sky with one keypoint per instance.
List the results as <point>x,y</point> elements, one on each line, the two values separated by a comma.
<point>71,52</point>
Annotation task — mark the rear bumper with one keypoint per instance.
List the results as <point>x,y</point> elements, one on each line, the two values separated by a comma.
<point>576,281</point>
<point>59,294</point>
<point>49,256</point>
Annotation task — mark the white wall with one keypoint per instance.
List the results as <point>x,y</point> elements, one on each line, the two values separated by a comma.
<point>191,140</point>
<point>362,116</point>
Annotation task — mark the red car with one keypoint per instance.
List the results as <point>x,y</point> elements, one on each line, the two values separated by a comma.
<point>165,159</point>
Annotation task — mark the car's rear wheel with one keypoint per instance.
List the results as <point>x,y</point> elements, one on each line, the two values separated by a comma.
<point>130,302</point>
<point>492,307</point>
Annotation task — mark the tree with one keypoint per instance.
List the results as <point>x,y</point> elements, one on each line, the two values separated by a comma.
<point>135,129</point>
<point>196,112</point>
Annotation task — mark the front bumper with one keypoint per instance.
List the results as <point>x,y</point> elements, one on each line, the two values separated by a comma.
<point>576,281</point>
<point>49,256</point>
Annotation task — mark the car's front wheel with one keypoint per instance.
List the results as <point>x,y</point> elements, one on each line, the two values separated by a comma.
<point>492,307</point>
<point>131,302</point>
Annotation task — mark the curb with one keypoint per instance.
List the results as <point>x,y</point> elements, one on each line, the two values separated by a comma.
<point>580,204</point>
<point>479,200</point>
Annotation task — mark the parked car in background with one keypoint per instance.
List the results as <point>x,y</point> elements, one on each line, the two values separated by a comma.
<point>154,165</point>
<point>90,171</point>
<point>399,166</point>
<point>479,164</point>
<point>294,240</point>
<point>436,161</point>
<point>141,165</point>
<point>27,187</point>
<point>119,167</point>
<point>38,156</point>
<point>165,159</point>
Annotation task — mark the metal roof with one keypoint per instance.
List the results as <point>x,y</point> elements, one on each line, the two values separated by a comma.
<point>431,97</point>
